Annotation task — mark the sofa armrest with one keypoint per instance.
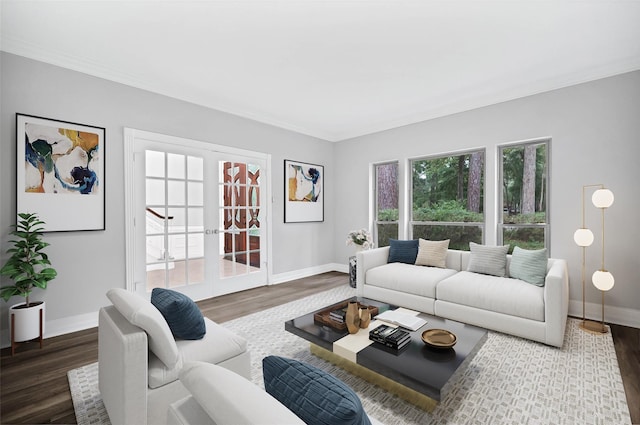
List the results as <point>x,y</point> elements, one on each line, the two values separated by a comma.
<point>366,260</point>
<point>556,301</point>
<point>122,370</point>
<point>228,398</point>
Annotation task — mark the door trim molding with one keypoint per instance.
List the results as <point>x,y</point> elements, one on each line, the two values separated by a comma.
<point>131,135</point>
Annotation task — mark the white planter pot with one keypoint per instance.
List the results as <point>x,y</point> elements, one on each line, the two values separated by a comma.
<point>27,321</point>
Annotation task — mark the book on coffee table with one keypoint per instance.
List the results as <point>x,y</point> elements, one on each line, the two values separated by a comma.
<point>391,337</point>
<point>404,320</point>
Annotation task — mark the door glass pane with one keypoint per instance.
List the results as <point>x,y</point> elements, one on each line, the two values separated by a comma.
<point>154,192</point>
<point>175,222</point>
<point>195,169</point>
<point>196,219</point>
<point>196,193</point>
<point>177,274</point>
<point>196,270</point>
<point>154,164</point>
<point>240,211</point>
<point>175,166</point>
<point>155,249</point>
<point>176,195</point>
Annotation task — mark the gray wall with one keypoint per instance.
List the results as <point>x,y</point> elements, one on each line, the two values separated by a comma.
<point>595,131</point>
<point>89,263</point>
<point>594,127</point>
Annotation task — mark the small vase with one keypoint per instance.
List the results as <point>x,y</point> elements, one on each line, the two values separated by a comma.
<point>352,318</point>
<point>365,317</point>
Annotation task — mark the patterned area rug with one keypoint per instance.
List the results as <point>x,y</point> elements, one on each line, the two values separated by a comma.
<point>510,381</point>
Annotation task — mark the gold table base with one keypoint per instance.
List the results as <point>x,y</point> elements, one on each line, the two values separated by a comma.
<point>410,395</point>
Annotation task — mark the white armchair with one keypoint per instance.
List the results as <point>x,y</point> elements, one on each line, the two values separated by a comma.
<point>139,360</point>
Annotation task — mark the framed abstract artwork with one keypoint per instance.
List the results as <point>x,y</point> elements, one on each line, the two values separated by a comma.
<point>60,173</point>
<point>304,192</point>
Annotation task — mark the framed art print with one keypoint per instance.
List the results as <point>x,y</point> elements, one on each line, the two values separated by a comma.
<point>60,173</point>
<point>304,192</point>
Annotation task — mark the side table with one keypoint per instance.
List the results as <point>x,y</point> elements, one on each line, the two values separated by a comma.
<point>352,271</point>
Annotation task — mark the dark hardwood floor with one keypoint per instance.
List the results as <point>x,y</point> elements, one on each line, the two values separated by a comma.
<point>34,388</point>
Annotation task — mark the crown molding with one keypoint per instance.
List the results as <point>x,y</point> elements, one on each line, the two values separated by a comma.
<point>472,101</point>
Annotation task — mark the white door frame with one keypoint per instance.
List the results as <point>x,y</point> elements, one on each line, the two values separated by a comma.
<point>130,137</point>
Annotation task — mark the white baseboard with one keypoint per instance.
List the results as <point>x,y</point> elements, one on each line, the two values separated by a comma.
<point>310,271</point>
<point>618,315</point>
<point>61,326</point>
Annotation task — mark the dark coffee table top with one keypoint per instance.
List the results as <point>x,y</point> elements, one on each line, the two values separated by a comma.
<point>417,366</point>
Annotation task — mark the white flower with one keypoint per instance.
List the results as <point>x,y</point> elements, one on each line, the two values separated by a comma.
<point>360,237</point>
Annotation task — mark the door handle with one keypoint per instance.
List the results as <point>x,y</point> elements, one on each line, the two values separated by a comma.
<point>211,232</point>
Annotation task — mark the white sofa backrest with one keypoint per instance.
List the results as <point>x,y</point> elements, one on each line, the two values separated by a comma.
<point>454,259</point>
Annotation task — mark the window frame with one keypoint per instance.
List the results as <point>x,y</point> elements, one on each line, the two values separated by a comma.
<point>376,221</point>
<point>500,225</point>
<point>411,222</point>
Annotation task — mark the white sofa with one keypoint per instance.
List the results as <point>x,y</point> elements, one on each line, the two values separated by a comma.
<point>502,304</point>
<point>136,386</point>
<point>220,396</point>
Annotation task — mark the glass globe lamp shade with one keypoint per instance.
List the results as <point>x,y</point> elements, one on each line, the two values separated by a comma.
<point>583,237</point>
<point>602,198</point>
<point>603,280</point>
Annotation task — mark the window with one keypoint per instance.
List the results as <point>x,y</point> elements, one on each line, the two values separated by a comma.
<point>524,196</point>
<point>386,193</point>
<point>447,199</point>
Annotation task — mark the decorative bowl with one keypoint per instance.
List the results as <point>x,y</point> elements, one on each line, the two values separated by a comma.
<point>439,338</point>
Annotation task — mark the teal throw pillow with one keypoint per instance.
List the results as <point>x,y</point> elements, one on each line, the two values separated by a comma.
<point>487,259</point>
<point>317,397</point>
<point>529,265</point>
<point>403,251</point>
<point>182,315</point>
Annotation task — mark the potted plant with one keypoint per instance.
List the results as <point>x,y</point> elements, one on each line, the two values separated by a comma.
<point>29,268</point>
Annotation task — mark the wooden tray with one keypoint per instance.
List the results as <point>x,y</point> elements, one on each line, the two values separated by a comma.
<point>323,317</point>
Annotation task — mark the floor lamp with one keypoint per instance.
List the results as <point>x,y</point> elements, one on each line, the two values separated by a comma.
<point>602,198</point>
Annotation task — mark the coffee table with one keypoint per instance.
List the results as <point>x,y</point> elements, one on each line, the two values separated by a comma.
<point>417,373</point>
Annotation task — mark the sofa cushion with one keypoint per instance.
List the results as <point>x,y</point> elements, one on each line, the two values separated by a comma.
<point>403,251</point>
<point>316,396</point>
<point>407,278</point>
<point>217,345</point>
<point>529,265</point>
<point>432,253</point>
<point>182,315</point>
<point>229,398</point>
<point>499,294</point>
<point>143,314</point>
<point>487,259</point>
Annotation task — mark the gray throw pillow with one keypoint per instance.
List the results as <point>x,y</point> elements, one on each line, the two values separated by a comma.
<point>529,265</point>
<point>488,259</point>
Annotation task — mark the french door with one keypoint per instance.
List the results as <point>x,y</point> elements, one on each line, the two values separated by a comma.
<point>199,224</point>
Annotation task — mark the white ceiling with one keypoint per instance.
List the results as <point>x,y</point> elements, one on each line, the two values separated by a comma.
<point>333,69</point>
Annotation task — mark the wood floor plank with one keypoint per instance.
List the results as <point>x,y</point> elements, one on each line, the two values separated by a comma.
<point>34,388</point>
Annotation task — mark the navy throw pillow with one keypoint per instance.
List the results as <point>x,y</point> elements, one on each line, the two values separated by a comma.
<point>403,251</point>
<point>317,397</point>
<point>182,315</point>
